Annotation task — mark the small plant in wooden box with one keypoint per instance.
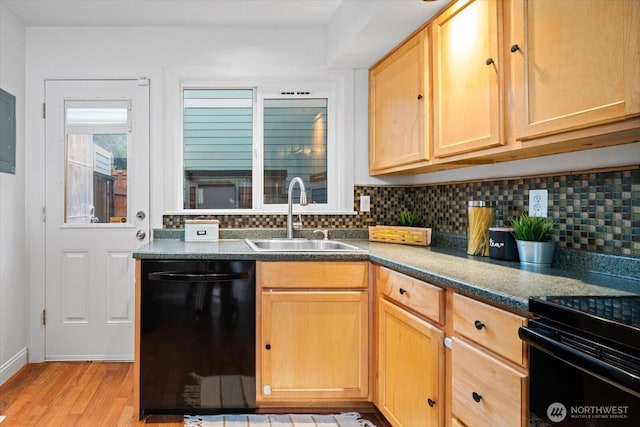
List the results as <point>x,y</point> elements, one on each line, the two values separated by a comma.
<point>408,232</point>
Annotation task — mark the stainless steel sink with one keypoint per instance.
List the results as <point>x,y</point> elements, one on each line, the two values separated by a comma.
<point>300,245</point>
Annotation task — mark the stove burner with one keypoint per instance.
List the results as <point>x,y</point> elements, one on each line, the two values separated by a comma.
<point>618,309</point>
<point>615,319</point>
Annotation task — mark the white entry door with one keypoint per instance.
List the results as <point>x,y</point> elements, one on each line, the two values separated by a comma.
<point>97,202</point>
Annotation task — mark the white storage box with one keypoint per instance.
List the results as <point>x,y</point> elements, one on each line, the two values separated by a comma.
<point>201,230</point>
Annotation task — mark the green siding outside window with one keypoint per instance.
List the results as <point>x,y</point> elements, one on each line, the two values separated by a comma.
<point>295,144</point>
<point>218,138</point>
<point>218,147</point>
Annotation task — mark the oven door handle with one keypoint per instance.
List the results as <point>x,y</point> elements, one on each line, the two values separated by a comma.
<point>178,276</point>
<point>605,371</point>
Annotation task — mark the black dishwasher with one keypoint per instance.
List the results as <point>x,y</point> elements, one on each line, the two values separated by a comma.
<point>197,337</point>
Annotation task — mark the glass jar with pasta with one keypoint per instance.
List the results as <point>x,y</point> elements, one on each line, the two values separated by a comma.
<point>480,216</point>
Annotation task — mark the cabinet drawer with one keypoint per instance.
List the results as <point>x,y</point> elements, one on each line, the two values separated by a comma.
<point>312,274</point>
<point>486,392</point>
<point>489,326</point>
<point>423,298</point>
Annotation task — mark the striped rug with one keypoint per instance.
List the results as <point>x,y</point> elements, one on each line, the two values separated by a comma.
<point>349,419</point>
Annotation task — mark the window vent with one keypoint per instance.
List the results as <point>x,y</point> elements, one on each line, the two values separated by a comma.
<point>296,93</point>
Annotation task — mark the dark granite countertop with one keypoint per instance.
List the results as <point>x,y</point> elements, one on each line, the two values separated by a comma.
<point>508,284</point>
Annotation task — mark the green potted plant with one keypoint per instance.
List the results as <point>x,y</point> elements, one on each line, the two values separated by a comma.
<point>408,219</point>
<point>533,239</point>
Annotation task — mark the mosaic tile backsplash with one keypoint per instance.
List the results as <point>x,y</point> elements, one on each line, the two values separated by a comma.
<point>595,212</point>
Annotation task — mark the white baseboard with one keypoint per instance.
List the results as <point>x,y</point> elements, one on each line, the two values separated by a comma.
<point>13,365</point>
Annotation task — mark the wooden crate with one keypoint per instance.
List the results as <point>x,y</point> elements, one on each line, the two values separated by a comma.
<point>397,234</point>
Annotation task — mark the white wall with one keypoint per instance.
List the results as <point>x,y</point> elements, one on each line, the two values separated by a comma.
<point>13,274</point>
<point>166,55</point>
<point>169,55</point>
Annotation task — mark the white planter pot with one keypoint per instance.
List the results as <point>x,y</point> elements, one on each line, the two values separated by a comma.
<point>538,253</point>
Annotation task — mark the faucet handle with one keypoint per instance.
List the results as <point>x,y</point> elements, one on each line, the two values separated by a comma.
<point>325,234</point>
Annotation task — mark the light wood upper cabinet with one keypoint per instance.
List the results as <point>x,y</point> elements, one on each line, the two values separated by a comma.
<point>467,70</point>
<point>399,110</point>
<point>574,64</point>
<point>509,80</point>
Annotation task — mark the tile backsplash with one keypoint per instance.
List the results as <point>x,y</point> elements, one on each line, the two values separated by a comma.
<point>595,212</point>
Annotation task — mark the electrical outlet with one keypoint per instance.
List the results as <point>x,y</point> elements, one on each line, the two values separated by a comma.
<point>365,204</point>
<point>538,202</point>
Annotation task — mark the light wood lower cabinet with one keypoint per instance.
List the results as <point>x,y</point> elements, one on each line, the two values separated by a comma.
<point>312,342</point>
<point>314,347</point>
<point>488,365</point>
<point>410,368</point>
<point>486,391</point>
<point>491,327</point>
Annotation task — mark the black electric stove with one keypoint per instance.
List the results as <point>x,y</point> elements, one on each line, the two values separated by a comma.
<point>584,361</point>
<point>612,318</point>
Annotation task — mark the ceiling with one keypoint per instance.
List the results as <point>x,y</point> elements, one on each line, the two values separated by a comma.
<point>358,31</point>
<point>173,12</point>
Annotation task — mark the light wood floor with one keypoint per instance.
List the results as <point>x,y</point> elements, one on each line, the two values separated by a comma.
<point>67,394</point>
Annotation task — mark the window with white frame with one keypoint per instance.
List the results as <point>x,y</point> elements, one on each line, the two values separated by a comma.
<point>243,146</point>
<point>218,134</point>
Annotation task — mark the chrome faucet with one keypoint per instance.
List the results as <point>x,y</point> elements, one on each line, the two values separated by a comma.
<point>303,202</point>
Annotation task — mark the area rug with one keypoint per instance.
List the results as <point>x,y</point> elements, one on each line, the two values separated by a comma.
<point>348,419</point>
<point>223,391</point>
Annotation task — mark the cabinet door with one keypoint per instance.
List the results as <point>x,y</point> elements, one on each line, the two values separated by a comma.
<point>467,78</point>
<point>399,108</point>
<point>410,370</point>
<point>314,346</point>
<point>574,64</point>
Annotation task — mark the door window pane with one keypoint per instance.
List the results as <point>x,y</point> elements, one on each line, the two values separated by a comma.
<point>218,147</point>
<point>295,144</point>
<point>96,164</point>
<point>96,116</point>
